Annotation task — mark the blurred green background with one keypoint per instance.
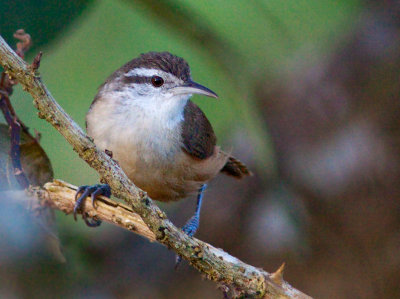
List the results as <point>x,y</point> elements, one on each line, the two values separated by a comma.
<point>309,99</point>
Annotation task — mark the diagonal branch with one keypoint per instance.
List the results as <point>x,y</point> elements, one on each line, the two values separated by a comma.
<point>234,276</point>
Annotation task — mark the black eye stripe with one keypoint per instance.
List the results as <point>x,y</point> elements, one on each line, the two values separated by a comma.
<point>137,79</point>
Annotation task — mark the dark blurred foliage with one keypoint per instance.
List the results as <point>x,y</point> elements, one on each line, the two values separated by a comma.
<point>46,18</point>
<point>335,126</point>
<point>331,211</point>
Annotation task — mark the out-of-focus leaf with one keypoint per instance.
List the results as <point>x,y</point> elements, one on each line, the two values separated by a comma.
<point>35,163</point>
<point>37,168</point>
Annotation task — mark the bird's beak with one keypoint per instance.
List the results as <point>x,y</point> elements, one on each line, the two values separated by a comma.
<point>191,87</point>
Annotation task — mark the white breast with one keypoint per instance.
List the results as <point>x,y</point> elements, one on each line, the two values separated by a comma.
<point>141,134</point>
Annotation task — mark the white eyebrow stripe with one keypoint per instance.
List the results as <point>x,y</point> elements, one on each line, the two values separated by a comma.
<point>143,72</point>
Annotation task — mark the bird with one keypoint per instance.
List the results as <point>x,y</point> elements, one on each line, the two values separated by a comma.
<point>163,141</point>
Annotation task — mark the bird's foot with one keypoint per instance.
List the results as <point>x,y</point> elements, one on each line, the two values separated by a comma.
<point>191,226</point>
<point>190,229</point>
<point>93,191</point>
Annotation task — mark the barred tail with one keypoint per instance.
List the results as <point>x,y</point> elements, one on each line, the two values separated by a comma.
<point>235,168</point>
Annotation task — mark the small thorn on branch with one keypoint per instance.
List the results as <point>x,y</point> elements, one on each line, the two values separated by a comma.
<point>36,62</point>
<point>109,153</point>
<point>277,276</point>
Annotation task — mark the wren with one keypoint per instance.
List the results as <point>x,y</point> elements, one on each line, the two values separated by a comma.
<point>163,142</point>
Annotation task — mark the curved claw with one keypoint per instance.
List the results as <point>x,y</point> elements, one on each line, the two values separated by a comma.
<point>93,191</point>
<point>79,200</point>
<point>94,196</point>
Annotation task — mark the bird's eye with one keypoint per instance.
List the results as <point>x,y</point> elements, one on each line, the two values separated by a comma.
<point>157,81</point>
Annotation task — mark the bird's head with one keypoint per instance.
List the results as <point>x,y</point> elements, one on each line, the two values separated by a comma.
<point>156,77</point>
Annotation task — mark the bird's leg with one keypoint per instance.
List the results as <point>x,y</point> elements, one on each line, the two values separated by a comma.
<point>192,224</point>
<point>93,191</point>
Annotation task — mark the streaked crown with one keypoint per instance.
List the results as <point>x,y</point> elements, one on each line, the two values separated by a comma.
<point>163,61</point>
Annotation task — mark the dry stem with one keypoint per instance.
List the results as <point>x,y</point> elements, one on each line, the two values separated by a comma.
<point>61,196</point>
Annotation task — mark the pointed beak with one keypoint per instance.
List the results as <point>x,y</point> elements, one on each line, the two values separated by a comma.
<point>191,87</point>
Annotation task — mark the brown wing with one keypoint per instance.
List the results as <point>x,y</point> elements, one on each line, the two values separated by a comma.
<point>197,133</point>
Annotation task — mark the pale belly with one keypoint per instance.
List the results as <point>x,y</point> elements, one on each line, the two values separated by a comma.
<point>167,178</point>
<point>158,165</point>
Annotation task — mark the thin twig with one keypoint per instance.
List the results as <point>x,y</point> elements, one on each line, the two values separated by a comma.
<point>15,153</point>
<point>235,276</point>
<point>12,120</point>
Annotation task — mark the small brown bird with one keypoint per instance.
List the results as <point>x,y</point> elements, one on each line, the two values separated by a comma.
<point>163,141</point>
